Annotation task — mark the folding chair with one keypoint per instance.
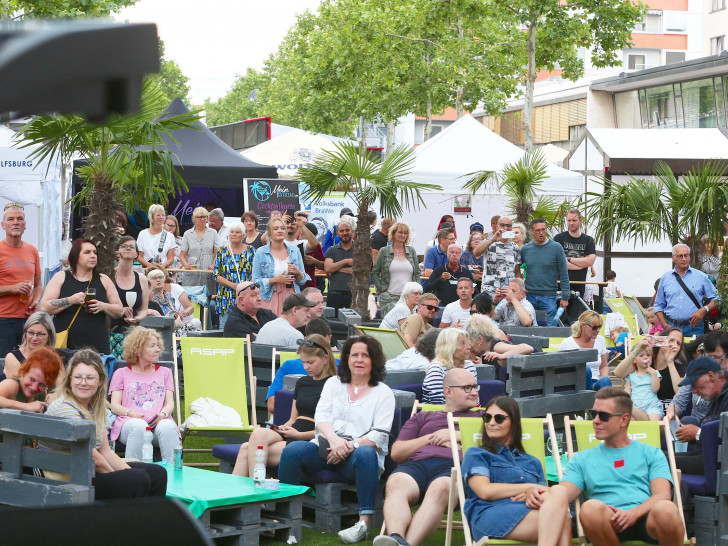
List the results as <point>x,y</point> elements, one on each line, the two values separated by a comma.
<point>471,435</point>
<point>215,368</point>
<point>649,432</point>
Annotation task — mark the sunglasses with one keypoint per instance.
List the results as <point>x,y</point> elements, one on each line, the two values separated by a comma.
<point>509,226</point>
<point>603,415</point>
<point>500,418</point>
<point>467,388</point>
<point>14,206</point>
<point>431,307</point>
<point>594,328</point>
<point>254,285</point>
<point>311,343</point>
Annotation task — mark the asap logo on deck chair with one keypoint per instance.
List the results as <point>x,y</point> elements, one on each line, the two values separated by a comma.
<point>207,351</point>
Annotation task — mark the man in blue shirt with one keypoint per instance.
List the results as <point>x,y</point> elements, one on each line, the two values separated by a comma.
<point>627,483</point>
<point>674,306</point>
<point>437,255</point>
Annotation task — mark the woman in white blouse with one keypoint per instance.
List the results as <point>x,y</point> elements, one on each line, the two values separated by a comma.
<point>353,418</point>
<point>405,306</point>
<point>155,244</point>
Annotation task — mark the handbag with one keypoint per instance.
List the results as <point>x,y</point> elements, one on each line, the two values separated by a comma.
<point>62,336</point>
<point>323,446</point>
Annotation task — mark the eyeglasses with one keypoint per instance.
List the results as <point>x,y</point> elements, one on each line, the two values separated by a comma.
<point>467,388</point>
<point>311,343</point>
<point>253,285</point>
<point>127,247</point>
<point>603,415</point>
<point>500,418</point>
<point>201,217</point>
<point>595,327</point>
<point>84,378</point>
<point>509,226</point>
<point>678,256</point>
<point>431,307</point>
<point>36,334</point>
<point>14,206</point>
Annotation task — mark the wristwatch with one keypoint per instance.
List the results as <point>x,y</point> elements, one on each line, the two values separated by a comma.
<point>355,445</point>
<point>697,436</point>
<point>707,309</point>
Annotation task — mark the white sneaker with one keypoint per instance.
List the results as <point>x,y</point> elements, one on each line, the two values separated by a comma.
<point>385,540</point>
<point>354,534</point>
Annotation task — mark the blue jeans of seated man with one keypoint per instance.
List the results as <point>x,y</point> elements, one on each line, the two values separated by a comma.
<point>545,303</point>
<point>361,468</point>
<point>596,384</point>
<point>690,331</point>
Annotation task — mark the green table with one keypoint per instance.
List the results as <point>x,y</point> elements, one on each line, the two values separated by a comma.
<point>551,475</point>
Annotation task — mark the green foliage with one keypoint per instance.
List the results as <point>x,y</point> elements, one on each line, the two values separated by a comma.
<point>245,100</point>
<point>56,9</point>
<point>171,80</point>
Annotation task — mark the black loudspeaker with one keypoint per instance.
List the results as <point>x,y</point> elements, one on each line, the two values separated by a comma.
<point>118,523</point>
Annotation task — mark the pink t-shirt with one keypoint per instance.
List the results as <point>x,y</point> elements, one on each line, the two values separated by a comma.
<point>141,393</point>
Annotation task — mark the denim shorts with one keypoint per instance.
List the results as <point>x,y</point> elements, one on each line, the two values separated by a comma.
<point>425,472</point>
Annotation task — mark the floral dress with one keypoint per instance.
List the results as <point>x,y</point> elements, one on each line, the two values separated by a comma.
<point>235,268</point>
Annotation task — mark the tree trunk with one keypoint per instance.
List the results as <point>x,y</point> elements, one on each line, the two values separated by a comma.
<point>530,82</point>
<point>363,139</point>
<point>99,224</point>
<point>390,138</point>
<point>362,263</point>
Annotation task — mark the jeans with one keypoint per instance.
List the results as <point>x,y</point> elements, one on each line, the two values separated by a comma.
<point>596,384</point>
<point>223,320</point>
<point>689,331</point>
<point>338,300</point>
<point>11,333</point>
<point>361,468</point>
<point>165,436</point>
<point>545,303</point>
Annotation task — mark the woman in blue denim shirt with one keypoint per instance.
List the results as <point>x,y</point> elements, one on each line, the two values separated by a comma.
<point>278,268</point>
<point>505,486</point>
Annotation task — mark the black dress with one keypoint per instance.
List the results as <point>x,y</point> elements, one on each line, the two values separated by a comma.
<point>120,326</point>
<point>88,330</point>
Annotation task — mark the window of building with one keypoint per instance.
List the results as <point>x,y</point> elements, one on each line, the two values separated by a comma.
<point>675,21</point>
<point>576,132</point>
<point>672,57</point>
<point>720,105</point>
<point>628,110</point>
<point>636,62</point>
<point>718,5</point>
<point>679,113</point>
<point>717,45</point>
<point>661,107</point>
<point>699,104</point>
<point>643,108</point>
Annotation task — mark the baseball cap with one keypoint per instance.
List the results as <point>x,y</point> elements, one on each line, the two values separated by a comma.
<point>346,210</point>
<point>297,300</point>
<point>477,226</point>
<point>699,366</point>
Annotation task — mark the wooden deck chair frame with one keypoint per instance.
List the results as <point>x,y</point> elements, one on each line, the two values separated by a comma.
<point>457,488</point>
<point>232,432</point>
<point>663,428</point>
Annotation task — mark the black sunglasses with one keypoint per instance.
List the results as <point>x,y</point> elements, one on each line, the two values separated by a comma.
<point>594,328</point>
<point>254,285</point>
<point>603,415</point>
<point>500,418</point>
<point>311,343</point>
<point>431,307</point>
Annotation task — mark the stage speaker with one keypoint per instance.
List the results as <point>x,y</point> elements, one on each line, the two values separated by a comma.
<point>153,521</point>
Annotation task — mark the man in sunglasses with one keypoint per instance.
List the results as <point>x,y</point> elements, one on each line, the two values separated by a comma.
<point>423,452</point>
<point>627,483</point>
<point>502,257</point>
<point>248,316</point>
<point>421,321</point>
<point>21,286</point>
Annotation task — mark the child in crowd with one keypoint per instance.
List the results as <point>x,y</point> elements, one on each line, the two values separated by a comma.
<point>619,335</point>
<point>643,384</point>
<point>612,290</point>
<point>655,326</point>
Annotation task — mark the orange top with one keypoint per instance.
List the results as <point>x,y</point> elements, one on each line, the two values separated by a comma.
<point>17,264</point>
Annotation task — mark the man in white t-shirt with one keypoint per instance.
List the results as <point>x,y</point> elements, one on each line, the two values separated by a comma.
<point>282,331</point>
<point>458,312</point>
<point>513,308</point>
<point>216,220</point>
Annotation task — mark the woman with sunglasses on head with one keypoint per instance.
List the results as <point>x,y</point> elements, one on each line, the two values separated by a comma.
<point>169,299</point>
<point>353,418</point>
<point>36,376</point>
<point>585,335</point>
<point>155,244</point>
<point>319,363</point>
<point>197,251</point>
<point>38,331</point>
<point>278,268</point>
<point>83,397</point>
<point>133,292</point>
<point>74,307</point>
<point>233,265</point>
<point>451,351</point>
<point>501,479</point>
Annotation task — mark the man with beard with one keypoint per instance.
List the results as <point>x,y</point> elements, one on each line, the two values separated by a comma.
<point>339,265</point>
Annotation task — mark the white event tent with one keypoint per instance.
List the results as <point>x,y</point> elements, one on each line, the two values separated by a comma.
<point>38,189</point>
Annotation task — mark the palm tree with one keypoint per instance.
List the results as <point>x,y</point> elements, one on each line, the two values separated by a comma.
<point>127,162</point>
<point>520,183</point>
<point>367,182</point>
<point>690,210</point>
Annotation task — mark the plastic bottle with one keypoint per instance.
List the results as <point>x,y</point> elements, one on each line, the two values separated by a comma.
<point>147,449</point>
<point>259,469</point>
<point>559,312</point>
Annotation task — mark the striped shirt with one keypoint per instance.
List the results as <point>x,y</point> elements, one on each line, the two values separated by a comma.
<point>432,392</point>
<point>69,409</point>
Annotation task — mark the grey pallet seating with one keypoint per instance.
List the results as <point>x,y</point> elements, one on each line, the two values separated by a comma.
<point>20,489</point>
<point>550,382</point>
<point>543,331</point>
<point>539,343</point>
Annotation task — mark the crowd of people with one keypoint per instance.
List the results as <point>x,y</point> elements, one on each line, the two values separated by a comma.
<point>449,310</point>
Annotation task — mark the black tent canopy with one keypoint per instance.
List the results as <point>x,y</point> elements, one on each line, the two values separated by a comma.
<point>205,160</point>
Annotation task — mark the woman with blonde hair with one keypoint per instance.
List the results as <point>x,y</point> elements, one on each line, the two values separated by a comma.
<point>585,335</point>
<point>197,251</point>
<point>83,397</point>
<point>278,268</point>
<point>320,364</point>
<point>451,351</point>
<point>395,266</point>
<point>38,331</point>
<point>155,244</point>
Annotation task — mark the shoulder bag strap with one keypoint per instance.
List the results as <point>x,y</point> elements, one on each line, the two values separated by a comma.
<point>161,241</point>
<point>81,305</point>
<point>686,289</point>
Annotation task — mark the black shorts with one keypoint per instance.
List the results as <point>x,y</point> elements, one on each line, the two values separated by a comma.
<point>638,531</point>
<point>425,472</point>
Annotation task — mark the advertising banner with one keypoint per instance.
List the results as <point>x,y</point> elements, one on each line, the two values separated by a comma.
<point>264,196</point>
<point>324,214</point>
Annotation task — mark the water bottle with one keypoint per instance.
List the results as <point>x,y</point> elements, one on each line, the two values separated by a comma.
<point>559,312</point>
<point>680,447</point>
<point>147,449</point>
<point>259,469</point>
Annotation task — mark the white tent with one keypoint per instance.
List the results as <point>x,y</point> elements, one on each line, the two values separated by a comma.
<point>467,146</point>
<point>289,152</point>
<point>25,181</point>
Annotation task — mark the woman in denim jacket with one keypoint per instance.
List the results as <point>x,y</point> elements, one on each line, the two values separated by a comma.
<point>395,266</point>
<point>506,486</point>
<point>278,268</point>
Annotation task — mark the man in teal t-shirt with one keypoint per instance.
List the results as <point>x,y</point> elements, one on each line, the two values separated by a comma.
<point>627,483</point>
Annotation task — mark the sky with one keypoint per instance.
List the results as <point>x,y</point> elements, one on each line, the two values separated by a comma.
<point>214,40</point>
